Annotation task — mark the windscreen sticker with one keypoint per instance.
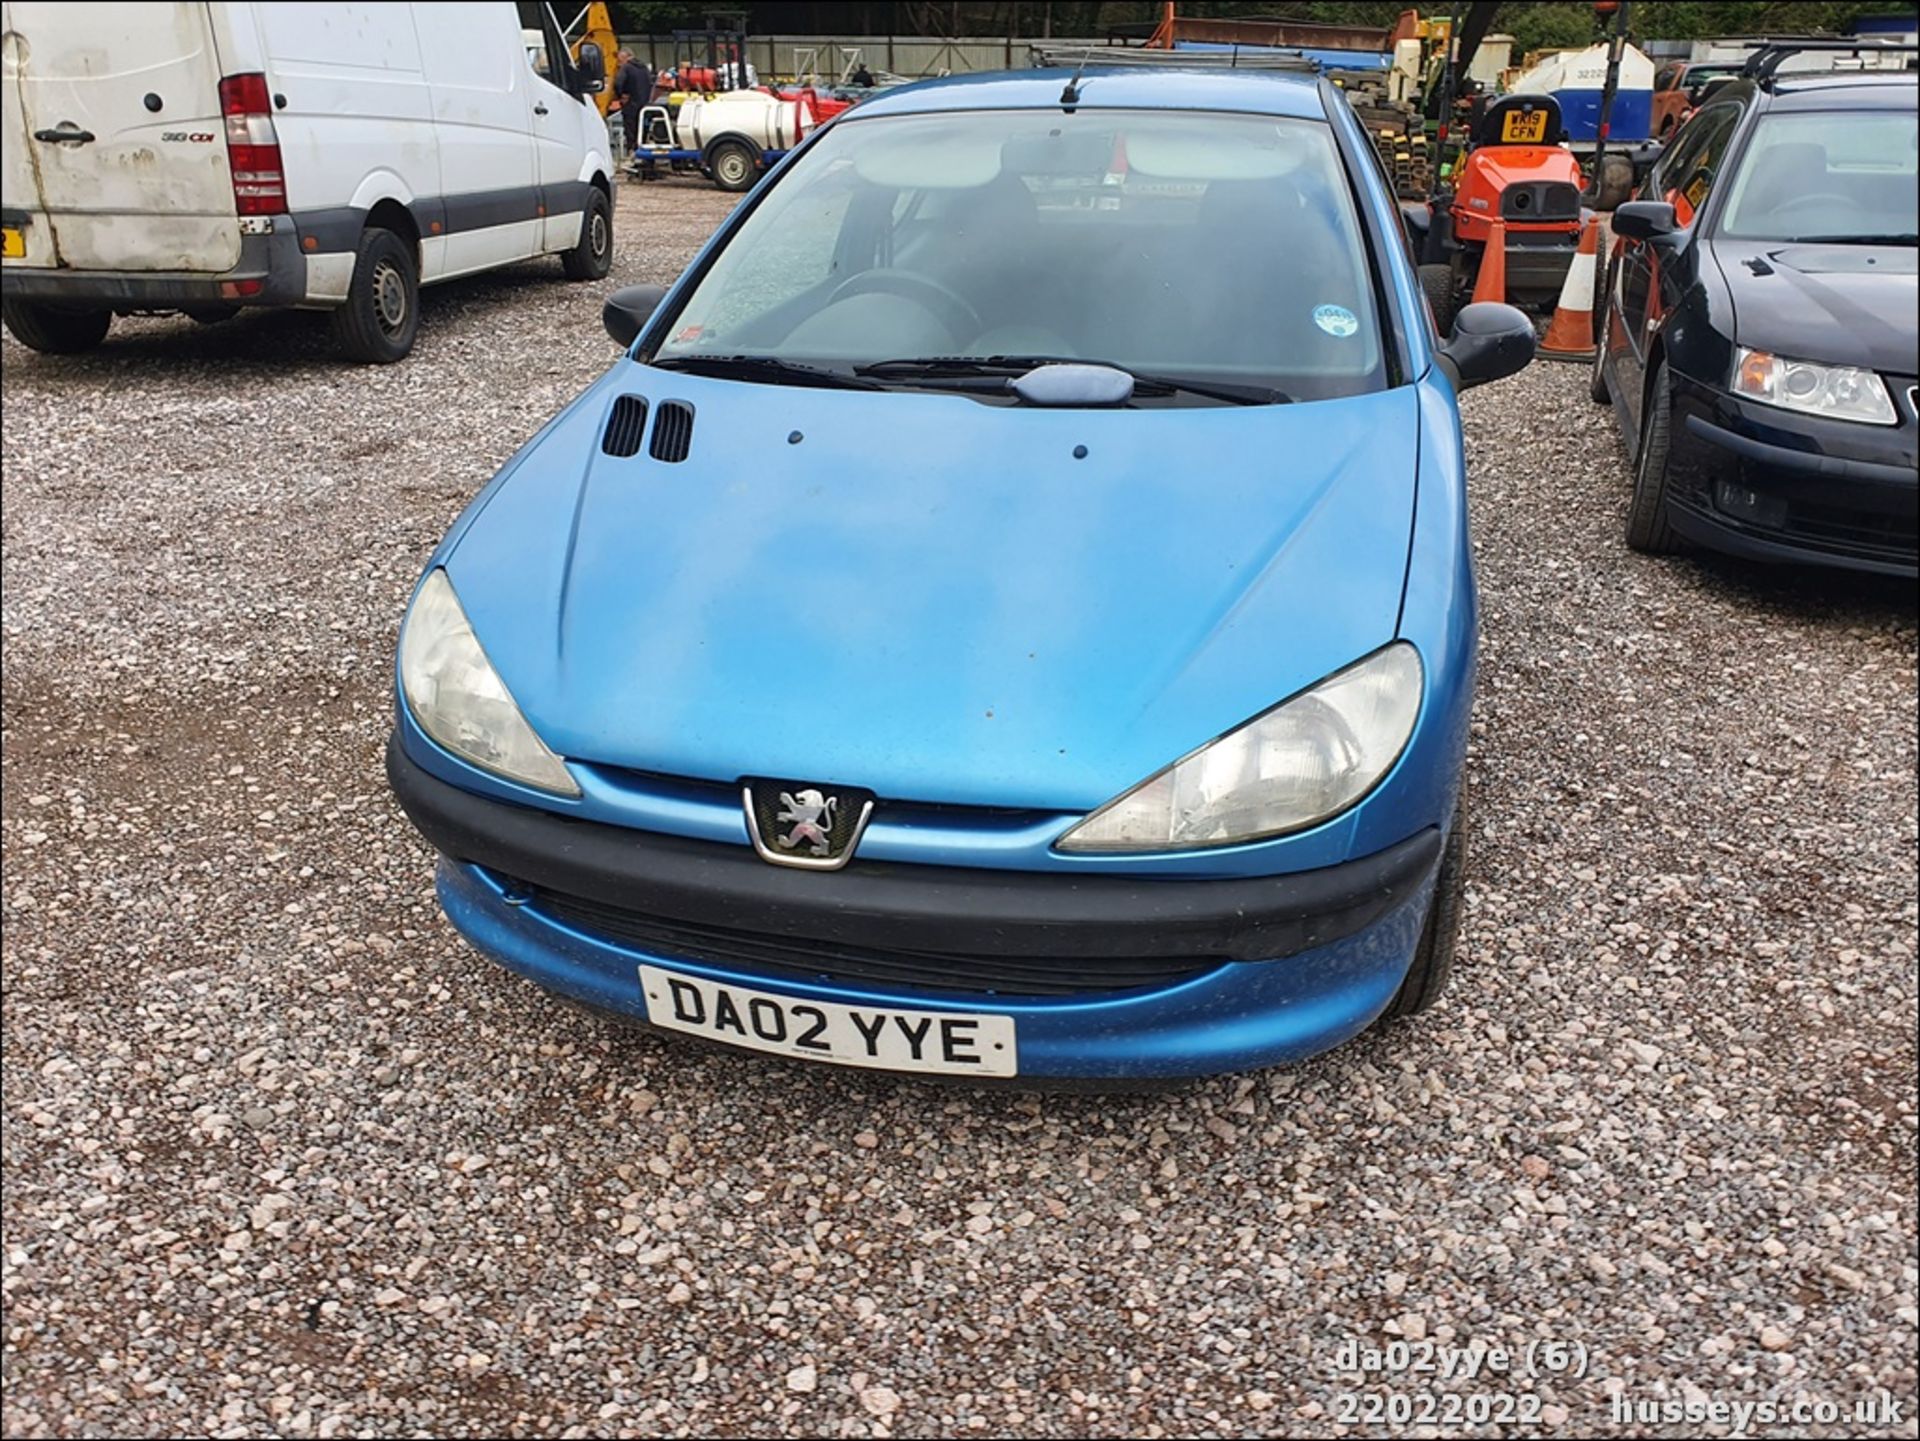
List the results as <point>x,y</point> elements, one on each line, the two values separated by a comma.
<point>1336,320</point>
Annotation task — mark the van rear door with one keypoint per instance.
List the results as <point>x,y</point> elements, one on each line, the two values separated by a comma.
<point>116,153</point>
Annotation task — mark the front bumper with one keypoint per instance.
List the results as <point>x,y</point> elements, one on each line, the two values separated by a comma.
<point>1770,485</point>
<point>1148,978</point>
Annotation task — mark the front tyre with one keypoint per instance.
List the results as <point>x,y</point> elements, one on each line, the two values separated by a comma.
<point>52,330</point>
<point>1597,390</point>
<point>1432,964</point>
<point>382,314</point>
<point>592,257</point>
<point>1647,528</point>
<point>733,165</point>
<point>1436,283</point>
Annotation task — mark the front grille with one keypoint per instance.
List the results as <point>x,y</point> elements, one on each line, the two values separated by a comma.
<point>1540,201</point>
<point>837,961</point>
<point>1863,530</point>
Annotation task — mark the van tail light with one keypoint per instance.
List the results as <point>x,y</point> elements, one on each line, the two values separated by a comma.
<point>253,148</point>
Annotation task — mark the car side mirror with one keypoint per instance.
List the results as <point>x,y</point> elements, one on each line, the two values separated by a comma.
<point>591,66</point>
<point>1645,220</point>
<point>628,310</point>
<point>1490,341</point>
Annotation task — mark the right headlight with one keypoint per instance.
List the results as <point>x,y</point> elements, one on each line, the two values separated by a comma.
<point>460,700</point>
<point>1839,392</point>
<point>1299,764</point>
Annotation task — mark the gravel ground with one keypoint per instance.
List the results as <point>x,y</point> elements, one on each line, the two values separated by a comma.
<point>284,1157</point>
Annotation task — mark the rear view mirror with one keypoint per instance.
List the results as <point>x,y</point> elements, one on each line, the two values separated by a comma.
<point>591,66</point>
<point>1490,341</point>
<point>1644,220</point>
<point>628,310</point>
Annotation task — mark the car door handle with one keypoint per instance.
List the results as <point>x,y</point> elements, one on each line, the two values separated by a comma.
<point>65,135</point>
<point>539,109</point>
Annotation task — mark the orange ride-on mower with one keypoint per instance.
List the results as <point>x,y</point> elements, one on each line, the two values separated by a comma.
<point>1516,174</point>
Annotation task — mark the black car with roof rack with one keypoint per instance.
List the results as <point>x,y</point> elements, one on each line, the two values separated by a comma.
<point>1758,332</point>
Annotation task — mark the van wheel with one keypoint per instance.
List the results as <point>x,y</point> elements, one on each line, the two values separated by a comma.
<point>1436,283</point>
<point>382,314</point>
<point>1647,528</point>
<point>52,330</point>
<point>592,258</point>
<point>733,165</point>
<point>1432,964</point>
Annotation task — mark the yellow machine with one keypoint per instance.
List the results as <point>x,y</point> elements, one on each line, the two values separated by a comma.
<point>599,30</point>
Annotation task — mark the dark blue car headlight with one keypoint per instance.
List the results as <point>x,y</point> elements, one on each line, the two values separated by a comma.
<point>459,699</point>
<point>1839,392</point>
<point>1301,763</point>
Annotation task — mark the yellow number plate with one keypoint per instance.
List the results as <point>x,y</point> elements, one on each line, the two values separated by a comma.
<point>1524,128</point>
<point>13,243</point>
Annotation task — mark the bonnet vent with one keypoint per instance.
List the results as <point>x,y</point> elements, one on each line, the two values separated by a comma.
<point>625,426</point>
<point>672,431</point>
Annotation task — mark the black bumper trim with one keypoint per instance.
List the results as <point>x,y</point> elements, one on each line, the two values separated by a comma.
<point>1781,548</point>
<point>272,259</point>
<point>1833,467</point>
<point>881,905</point>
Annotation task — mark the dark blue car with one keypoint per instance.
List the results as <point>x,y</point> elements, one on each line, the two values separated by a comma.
<point>1008,614</point>
<point>1760,333</point>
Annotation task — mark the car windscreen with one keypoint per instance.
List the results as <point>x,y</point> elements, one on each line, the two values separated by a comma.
<point>1210,247</point>
<point>1833,175</point>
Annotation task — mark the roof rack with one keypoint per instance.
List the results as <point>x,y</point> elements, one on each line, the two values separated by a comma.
<point>1236,58</point>
<point>1762,64</point>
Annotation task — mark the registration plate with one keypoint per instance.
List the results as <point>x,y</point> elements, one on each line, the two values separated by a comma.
<point>1524,127</point>
<point>950,1043</point>
<point>13,243</point>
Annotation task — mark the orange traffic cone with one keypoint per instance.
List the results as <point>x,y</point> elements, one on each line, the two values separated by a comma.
<point>1491,282</point>
<point>1570,333</point>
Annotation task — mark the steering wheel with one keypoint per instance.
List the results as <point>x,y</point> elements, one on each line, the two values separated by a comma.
<point>949,306</point>
<point>1807,202</point>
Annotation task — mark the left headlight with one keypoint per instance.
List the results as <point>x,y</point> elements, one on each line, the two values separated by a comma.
<point>460,700</point>
<point>1299,764</point>
<point>1840,392</point>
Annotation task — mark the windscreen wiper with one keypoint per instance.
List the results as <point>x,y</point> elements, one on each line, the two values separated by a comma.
<point>767,368</point>
<point>1149,384</point>
<point>937,368</point>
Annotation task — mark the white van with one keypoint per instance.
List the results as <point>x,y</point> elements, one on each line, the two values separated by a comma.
<point>204,157</point>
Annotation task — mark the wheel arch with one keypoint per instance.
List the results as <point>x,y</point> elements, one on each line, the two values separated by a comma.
<point>391,214</point>
<point>1655,363</point>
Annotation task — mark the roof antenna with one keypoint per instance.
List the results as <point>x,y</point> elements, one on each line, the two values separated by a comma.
<point>1071,94</point>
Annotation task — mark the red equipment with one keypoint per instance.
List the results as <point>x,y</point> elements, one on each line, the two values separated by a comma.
<point>1517,174</point>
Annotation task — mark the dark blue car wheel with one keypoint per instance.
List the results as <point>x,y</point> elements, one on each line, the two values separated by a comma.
<point>1647,528</point>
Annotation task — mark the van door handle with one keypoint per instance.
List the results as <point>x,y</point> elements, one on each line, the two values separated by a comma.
<point>65,135</point>
<point>540,108</point>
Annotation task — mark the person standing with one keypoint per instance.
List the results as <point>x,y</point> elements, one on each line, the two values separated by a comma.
<point>632,90</point>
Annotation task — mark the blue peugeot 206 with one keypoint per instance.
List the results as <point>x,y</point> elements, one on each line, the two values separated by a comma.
<point>1007,614</point>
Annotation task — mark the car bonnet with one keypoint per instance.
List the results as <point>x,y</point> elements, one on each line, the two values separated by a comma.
<point>1839,304</point>
<point>938,599</point>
